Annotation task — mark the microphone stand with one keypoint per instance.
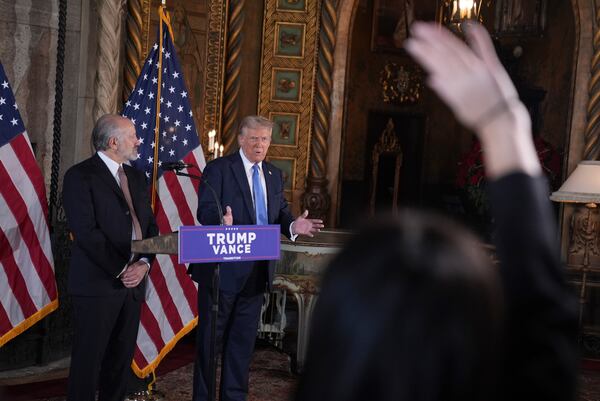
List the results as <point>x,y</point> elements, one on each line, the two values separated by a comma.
<point>215,294</point>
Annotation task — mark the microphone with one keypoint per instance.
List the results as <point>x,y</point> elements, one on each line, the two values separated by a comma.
<point>177,166</point>
<point>215,199</point>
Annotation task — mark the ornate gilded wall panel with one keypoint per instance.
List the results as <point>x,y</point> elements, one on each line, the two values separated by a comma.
<point>592,130</point>
<point>290,36</point>
<point>199,36</point>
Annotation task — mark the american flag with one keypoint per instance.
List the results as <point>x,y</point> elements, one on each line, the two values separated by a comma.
<point>170,310</point>
<point>27,284</point>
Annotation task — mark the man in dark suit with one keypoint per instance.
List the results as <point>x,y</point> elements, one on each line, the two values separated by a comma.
<point>107,205</point>
<point>251,190</point>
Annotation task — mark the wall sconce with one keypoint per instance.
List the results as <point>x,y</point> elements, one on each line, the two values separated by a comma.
<point>453,13</point>
<point>214,149</point>
<point>583,187</point>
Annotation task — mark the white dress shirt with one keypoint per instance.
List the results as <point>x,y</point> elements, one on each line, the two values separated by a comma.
<point>113,167</point>
<point>248,169</point>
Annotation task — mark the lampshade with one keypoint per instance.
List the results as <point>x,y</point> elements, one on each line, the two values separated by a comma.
<point>582,186</point>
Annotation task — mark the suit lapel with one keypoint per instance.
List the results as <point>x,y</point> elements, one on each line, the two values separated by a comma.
<point>106,176</point>
<point>240,175</point>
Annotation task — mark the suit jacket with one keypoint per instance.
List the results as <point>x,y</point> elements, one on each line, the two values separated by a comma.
<point>541,327</point>
<point>227,177</point>
<point>99,218</point>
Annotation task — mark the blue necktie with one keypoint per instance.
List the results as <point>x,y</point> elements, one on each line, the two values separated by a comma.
<point>259,198</point>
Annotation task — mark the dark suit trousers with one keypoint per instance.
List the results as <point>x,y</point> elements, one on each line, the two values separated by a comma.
<point>103,346</point>
<point>237,324</point>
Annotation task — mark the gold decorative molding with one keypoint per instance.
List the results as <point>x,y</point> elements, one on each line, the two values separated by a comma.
<point>287,80</point>
<point>592,130</point>
<point>215,54</point>
<point>233,69</point>
<point>316,198</point>
<point>389,144</point>
<point>399,83</point>
<point>107,75</point>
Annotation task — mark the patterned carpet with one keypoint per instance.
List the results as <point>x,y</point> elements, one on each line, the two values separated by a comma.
<point>270,380</point>
<point>589,386</point>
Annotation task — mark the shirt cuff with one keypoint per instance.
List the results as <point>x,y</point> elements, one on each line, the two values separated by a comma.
<point>145,260</point>
<point>292,236</point>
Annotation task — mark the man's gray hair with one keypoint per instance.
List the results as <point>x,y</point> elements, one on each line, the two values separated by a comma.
<point>255,122</point>
<point>106,127</point>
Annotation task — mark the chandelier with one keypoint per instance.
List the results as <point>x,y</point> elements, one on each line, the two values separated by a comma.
<point>453,13</point>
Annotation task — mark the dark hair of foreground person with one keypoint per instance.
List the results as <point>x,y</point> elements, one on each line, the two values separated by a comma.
<point>409,310</point>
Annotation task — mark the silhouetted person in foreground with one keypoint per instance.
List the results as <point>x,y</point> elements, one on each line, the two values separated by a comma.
<point>411,309</point>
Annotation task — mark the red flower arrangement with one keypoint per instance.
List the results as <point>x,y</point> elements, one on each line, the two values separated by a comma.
<point>470,178</point>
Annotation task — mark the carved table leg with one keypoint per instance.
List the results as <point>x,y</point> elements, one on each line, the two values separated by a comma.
<point>306,304</point>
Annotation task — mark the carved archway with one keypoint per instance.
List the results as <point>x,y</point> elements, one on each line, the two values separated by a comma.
<point>343,39</point>
<point>585,17</point>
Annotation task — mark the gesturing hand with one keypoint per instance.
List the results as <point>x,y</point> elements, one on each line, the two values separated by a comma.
<point>305,226</point>
<point>228,216</point>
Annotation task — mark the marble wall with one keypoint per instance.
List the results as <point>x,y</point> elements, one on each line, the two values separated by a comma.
<point>28,51</point>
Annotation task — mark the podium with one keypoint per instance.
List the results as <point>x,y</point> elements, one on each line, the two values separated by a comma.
<point>164,244</point>
<point>215,245</point>
<point>297,272</point>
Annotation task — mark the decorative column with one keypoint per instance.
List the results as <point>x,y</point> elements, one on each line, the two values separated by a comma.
<point>232,74</point>
<point>106,85</point>
<point>316,198</point>
<point>592,130</point>
<point>133,46</point>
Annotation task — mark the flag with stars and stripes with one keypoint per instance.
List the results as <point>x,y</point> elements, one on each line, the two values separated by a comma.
<point>170,309</point>
<point>27,284</point>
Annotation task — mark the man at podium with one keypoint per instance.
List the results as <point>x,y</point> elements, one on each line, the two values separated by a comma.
<point>251,191</point>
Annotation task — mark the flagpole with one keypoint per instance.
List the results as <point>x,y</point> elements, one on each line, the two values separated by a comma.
<point>142,107</point>
<point>163,18</point>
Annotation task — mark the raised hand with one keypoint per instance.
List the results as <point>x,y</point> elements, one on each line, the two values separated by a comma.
<point>228,216</point>
<point>305,226</point>
<point>473,83</point>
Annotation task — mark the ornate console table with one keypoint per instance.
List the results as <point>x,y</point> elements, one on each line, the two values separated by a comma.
<point>298,273</point>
